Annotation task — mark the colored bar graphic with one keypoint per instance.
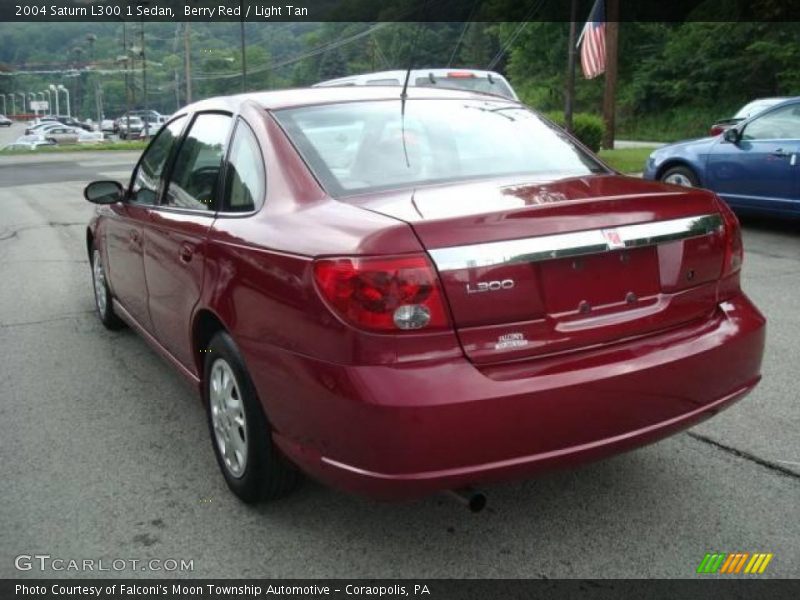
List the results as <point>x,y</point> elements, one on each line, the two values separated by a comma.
<point>733,563</point>
<point>741,562</point>
<point>711,563</point>
<point>764,564</point>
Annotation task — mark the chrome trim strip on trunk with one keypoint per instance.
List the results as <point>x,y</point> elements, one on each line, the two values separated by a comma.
<point>579,243</point>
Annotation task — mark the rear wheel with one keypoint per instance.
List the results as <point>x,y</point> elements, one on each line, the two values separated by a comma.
<point>102,295</point>
<point>683,176</point>
<point>252,466</point>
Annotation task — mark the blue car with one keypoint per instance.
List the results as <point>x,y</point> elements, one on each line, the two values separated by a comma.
<point>754,166</point>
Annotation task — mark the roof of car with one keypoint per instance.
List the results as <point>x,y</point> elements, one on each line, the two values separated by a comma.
<point>279,99</point>
<point>400,74</point>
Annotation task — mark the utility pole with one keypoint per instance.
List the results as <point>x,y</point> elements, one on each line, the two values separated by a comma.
<point>177,91</point>
<point>569,95</point>
<point>187,60</point>
<point>125,59</point>
<point>98,103</point>
<point>144,73</point>
<point>244,55</point>
<point>144,69</point>
<point>609,97</point>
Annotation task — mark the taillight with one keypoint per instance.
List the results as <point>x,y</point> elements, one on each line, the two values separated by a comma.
<point>387,294</point>
<point>734,249</point>
<point>716,130</point>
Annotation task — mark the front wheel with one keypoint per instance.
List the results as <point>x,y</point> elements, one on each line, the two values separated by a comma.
<point>683,176</point>
<point>252,466</point>
<point>102,295</point>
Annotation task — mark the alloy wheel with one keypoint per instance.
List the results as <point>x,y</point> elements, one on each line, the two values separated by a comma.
<point>228,417</point>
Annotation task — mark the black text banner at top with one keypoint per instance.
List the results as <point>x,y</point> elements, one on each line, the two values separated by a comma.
<point>387,10</point>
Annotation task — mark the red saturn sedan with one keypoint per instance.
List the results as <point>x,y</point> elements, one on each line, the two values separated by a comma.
<point>405,296</point>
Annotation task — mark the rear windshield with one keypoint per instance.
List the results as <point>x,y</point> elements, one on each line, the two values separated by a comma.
<point>358,147</point>
<point>472,84</point>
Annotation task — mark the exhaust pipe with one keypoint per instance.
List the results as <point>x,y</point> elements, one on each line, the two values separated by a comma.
<point>474,500</point>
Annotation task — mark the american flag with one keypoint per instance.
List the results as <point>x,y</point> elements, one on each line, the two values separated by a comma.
<point>593,42</point>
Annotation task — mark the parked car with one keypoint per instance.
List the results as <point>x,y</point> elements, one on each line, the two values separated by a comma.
<point>73,122</point>
<point>130,128</point>
<point>151,121</point>
<point>42,127</point>
<point>63,134</point>
<point>402,301</point>
<point>473,80</point>
<point>90,137</point>
<point>753,166</point>
<point>748,110</point>
<point>28,143</point>
<point>5,121</point>
<point>108,126</point>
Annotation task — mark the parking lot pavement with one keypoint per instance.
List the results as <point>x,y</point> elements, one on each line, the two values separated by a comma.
<point>106,453</point>
<point>10,134</point>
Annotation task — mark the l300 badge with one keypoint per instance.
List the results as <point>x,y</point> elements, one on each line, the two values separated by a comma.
<point>490,286</point>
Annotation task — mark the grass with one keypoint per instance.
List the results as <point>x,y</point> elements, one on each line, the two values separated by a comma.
<point>626,160</point>
<point>99,147</point>
<point>671,125</point>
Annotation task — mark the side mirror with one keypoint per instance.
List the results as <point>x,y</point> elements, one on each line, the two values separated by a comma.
<point>732,135</point>
<point>103,192</point>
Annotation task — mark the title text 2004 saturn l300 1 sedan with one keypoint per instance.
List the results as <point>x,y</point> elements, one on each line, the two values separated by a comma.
<point>399,297</point>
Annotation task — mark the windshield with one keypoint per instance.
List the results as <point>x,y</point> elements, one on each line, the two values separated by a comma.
<point>358,147</point>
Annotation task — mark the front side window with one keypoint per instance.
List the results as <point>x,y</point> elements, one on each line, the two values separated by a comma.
<point>195,176</point>
<point>365,146</point>
<point>780,124</point>
<point>245,176</point>
<point>146,179</point>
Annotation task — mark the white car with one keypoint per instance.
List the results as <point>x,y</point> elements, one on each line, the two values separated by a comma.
<point>41,127</point>
<point>90,137</point>
<point>130,127</point>
<point>473,80</point>
<point>28,142</point>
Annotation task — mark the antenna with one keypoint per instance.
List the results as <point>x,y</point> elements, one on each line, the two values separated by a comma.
<point>404,93</point>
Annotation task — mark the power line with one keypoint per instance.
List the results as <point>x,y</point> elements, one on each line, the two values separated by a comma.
<point>306,55</point>
<point>463,31</point>
<point>525,22</point>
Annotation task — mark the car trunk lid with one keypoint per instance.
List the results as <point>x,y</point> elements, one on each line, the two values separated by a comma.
<point>538,267</point>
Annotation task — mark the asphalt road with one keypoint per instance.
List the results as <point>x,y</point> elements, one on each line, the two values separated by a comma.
<point>105,452</point>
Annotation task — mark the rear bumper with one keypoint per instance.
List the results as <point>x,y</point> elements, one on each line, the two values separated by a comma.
<point>404,432</point>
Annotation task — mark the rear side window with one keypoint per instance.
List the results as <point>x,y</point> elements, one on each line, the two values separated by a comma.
<point>151,167</point>
<point>245,175</point>
<point>195,176</point>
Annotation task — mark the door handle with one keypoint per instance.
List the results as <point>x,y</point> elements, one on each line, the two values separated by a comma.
<point>186,252</point>
<point>780,152</point>
<point>134,237</point>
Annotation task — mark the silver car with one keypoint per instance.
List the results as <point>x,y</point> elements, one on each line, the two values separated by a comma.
<point>473,80</point>
<point>63,135</point>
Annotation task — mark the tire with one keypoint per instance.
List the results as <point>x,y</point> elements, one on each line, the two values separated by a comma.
<point>102,295</point>
<point>252,466</point>
<point>683,176</point>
